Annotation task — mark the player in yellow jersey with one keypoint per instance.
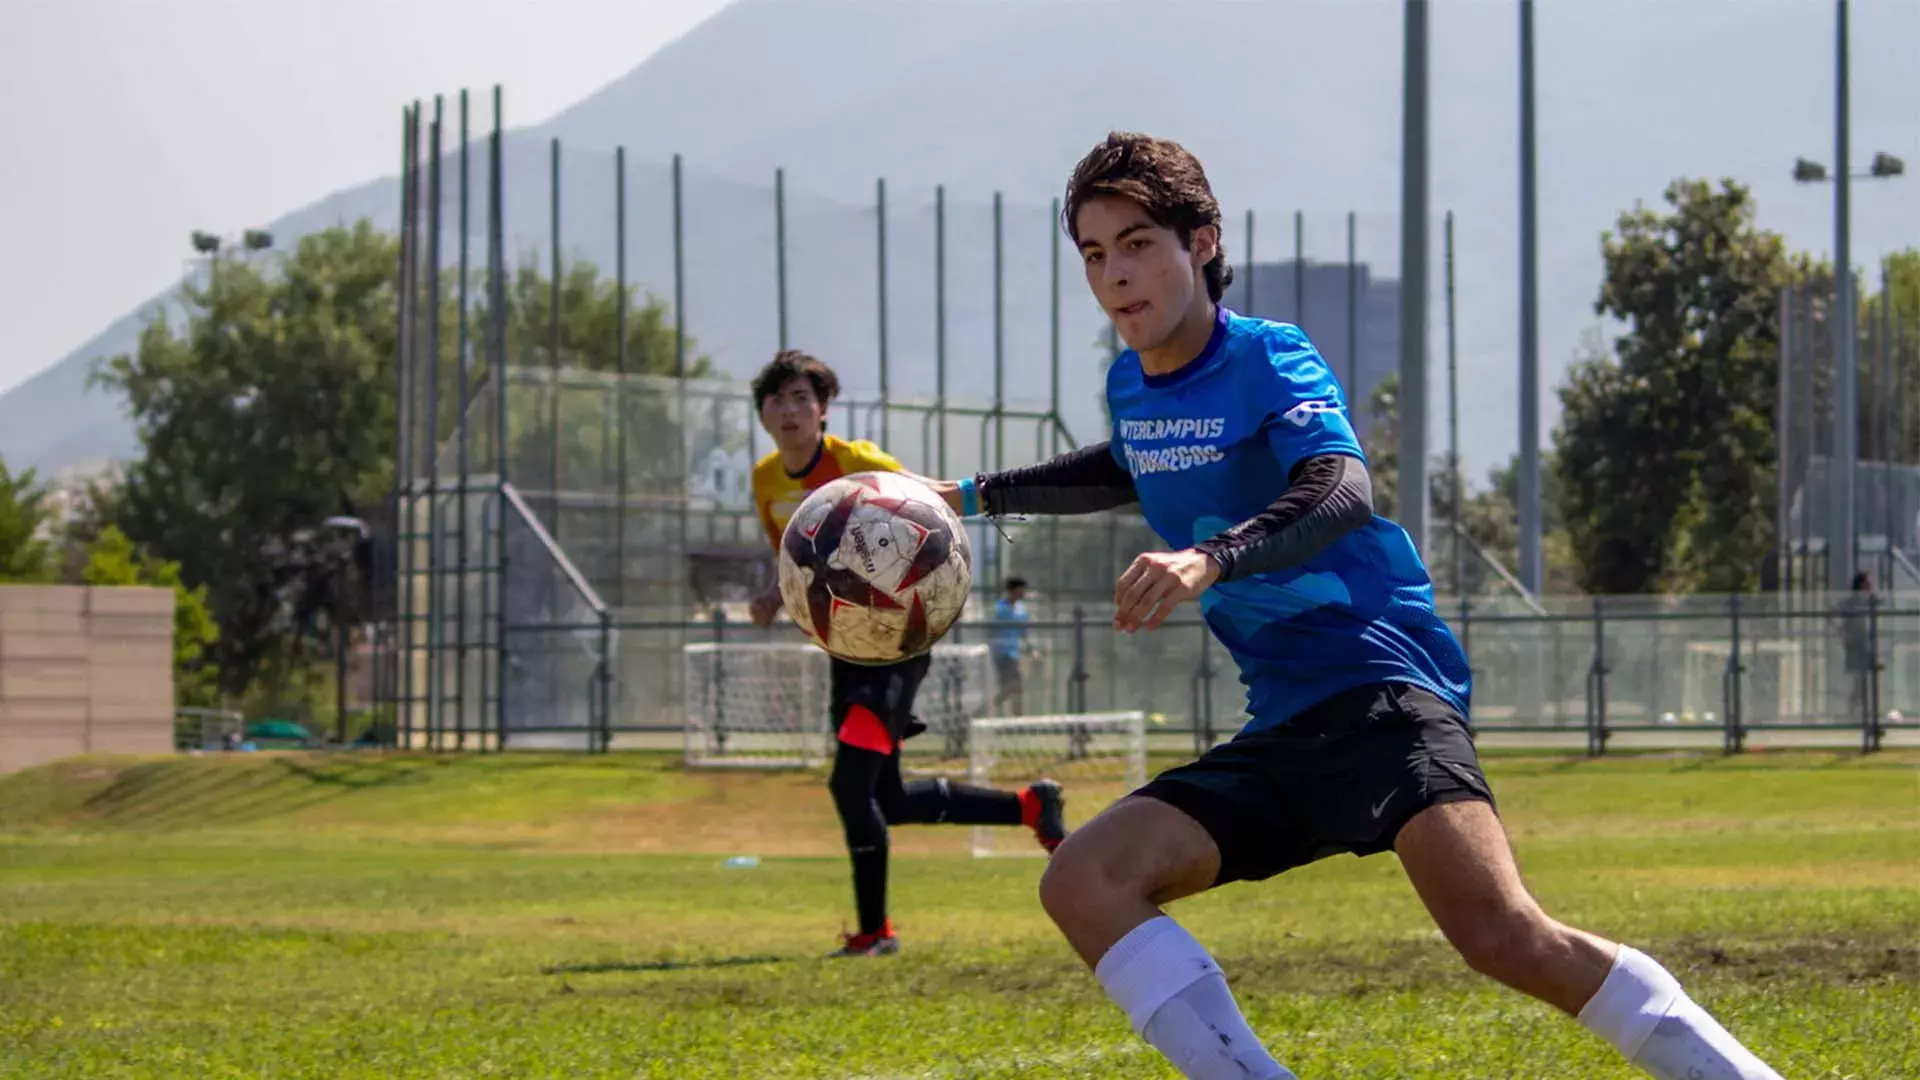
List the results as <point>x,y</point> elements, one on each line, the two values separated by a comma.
<point>872,707</point>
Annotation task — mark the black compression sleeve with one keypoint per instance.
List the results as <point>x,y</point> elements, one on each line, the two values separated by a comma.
<point>1328,496</point>
<point>1082,481</point>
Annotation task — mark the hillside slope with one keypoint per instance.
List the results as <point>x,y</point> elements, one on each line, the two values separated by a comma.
<point>1293,106</point>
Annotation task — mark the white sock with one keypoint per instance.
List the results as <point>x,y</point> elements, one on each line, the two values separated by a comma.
<point>1176,998</point>
<point>1644,1013</point>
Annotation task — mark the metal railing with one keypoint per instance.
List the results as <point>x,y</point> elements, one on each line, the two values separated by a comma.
<point>1715,669</point>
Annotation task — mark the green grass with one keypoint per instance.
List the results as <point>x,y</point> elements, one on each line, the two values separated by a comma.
<point>554,916</point>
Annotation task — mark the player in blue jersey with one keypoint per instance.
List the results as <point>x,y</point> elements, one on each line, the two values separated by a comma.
<point>1233,437</point>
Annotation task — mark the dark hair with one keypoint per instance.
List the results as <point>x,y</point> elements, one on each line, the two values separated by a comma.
<point>1016,583</point>
<point>788,365</point>
<point>1862,582</point>
<point>1163,179</point>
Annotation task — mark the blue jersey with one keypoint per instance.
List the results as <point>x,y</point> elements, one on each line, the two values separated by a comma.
<point>1211,445</point>
<point>1009,639</point>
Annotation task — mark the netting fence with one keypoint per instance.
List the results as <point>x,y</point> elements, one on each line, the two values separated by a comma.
<point>1885,525</point>
<point>575,439</point>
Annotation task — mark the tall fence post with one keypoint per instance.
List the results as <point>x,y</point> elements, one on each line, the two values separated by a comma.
<point>436,593</point>
<point>1597,684</point>
<point>780,249</point>
<point>1077,679</point>
<point>1203,694</point>
<point>719,677</point>
<point>1870,723</point>
<point>1466,624</point>
<point>605,677</point>
<point>497,353</point>
<point>1734,730</point>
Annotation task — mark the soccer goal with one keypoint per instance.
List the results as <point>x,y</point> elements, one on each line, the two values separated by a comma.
<point>764,704</point>
<point>1096,757</point>
<point>1774,672</point>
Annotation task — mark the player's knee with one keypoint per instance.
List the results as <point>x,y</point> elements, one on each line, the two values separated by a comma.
<point>1063,885</point>
<point>919,801</point>
<point>1507,943</point>
<point>1079,875</point>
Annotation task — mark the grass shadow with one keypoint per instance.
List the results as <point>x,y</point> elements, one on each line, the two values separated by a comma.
<point>352,774</point>
<point>613,967</point>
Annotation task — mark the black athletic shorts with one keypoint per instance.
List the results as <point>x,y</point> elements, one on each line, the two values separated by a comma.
<point>888,690</point>
<point>1344,776</point>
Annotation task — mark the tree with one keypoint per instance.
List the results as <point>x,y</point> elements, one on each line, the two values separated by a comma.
<point>1666,448</point>
<point>113,560</point>
<point>588,338</point>
<point>1489,515</point>
<point>272,406</point>
<point>26,556</point>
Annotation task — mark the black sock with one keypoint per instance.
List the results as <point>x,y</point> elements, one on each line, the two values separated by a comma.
<point>945,802</point>
<point>870,887</point>
<point>857,774</point>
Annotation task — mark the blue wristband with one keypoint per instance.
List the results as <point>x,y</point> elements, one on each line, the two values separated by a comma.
<point>969,498</point>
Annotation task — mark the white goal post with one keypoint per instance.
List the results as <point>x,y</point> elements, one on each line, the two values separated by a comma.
<point>1096,757</point>
<point>764,704</point>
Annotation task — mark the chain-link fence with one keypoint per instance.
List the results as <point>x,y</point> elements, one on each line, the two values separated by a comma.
<point>1885,527</point>
<point>572,506</point>
<point>1716,668</point>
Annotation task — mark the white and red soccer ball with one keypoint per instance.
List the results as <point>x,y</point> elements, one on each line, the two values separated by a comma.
<point>875,567</point>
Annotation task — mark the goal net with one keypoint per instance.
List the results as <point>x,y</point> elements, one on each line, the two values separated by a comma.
<point>764,704</point>
<point>1773,672</point>
<point>1096,757</point>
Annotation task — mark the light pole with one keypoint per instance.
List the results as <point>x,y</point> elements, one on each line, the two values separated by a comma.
<point>1844,468</point>
<point>347,536</point>
<point>208,245</point>
<point>1413,276</point>
<point>1532,572</point>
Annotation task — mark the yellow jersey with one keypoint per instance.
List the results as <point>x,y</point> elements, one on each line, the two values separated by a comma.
<point>777,493</point>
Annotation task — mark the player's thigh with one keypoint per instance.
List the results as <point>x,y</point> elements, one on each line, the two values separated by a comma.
<point>888,690</point>
<point>1459,860</point>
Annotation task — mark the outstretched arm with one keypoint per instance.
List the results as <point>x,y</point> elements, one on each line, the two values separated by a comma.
<point>1328,496</point>
<point>1083,481</point>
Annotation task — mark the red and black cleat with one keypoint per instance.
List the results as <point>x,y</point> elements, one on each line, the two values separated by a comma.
<point>879,943</point>
<point>1043,808</point>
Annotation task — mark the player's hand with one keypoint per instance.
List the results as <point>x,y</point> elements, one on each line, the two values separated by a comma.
<point>1158,582</point>
<point>946,489</point>
<point>766,606</point>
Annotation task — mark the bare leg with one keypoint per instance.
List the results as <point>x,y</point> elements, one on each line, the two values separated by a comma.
<point>1104,888</point>
<point>1115,871</point>
<point>1458,859</point>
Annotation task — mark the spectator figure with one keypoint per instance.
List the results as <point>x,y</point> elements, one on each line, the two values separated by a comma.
<point>1009,644</point>
<point>1856,640</point>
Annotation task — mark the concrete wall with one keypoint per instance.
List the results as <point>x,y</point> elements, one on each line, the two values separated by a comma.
<point>84,669</point>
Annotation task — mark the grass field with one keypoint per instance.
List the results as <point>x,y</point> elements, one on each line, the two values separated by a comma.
<point>564,916</point>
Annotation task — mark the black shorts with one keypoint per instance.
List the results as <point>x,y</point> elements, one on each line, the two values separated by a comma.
<point>1344,776</point>
<point>887,690</point>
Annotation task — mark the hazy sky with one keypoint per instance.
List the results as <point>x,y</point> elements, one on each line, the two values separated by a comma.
<point>127,124</point>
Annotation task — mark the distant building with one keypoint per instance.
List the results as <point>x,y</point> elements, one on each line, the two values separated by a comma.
<point>1327,288</point>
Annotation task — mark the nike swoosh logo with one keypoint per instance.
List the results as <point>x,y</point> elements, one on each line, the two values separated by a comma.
<point>1382,804</point>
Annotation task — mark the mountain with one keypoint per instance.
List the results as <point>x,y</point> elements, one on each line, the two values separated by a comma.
<point>1292,106</point>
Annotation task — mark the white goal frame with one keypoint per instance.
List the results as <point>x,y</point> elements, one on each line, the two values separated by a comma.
<point>802,736</point>
<point>984,738</point>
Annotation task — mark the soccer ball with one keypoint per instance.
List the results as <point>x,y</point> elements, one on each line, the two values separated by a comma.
<point>875,567</point>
